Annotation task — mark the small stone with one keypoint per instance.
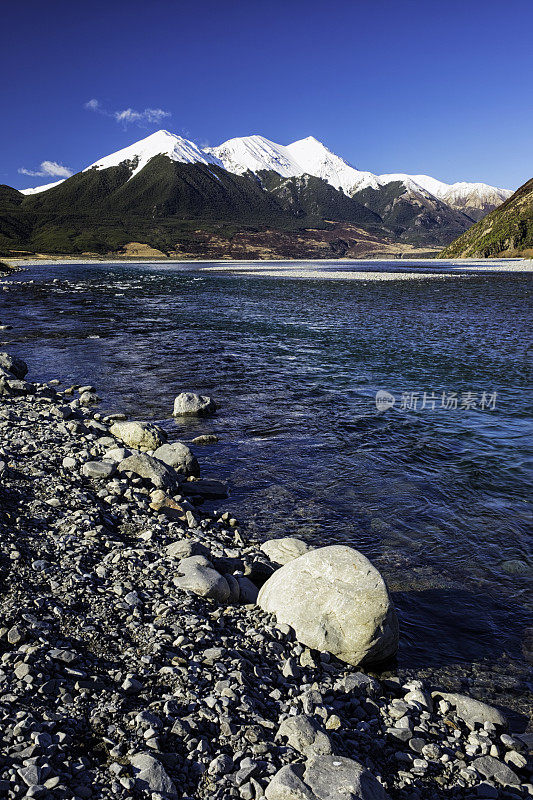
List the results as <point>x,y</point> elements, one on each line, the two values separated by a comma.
<point>100,470</point>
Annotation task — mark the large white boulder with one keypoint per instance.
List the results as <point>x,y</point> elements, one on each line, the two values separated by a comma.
<point>140,435</point>
<point>336,601</point>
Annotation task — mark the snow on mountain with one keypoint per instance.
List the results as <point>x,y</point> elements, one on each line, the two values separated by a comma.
<point>255,153</point>
<point>314,158</point>
<point>461,194</point>
<point>305,156</point>
<point>159,143</point>
<point>311,157</point>
<point>43,188</point>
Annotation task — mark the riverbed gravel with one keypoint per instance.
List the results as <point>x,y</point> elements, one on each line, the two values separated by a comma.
<point>135,663</point>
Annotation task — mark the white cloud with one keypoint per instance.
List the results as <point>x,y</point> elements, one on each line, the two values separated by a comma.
<point>49,169</point>
<point>129,116</point>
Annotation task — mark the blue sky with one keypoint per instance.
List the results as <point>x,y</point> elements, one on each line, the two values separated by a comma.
<point>439,87</point>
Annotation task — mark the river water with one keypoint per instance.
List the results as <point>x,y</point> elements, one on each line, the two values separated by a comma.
<point>434,489</point>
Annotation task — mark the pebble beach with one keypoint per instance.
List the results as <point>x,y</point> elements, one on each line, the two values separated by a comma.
<point>137,657</point>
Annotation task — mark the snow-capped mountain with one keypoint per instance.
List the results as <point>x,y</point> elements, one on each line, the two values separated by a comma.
<point>159,143</point>
<point>140,153</point>
<point>305,156</point>
<point>315,159</point>
<point>309,156</point>
<point>256,153</point>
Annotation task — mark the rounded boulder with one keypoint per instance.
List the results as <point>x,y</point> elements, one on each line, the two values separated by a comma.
<point>336,601</point>
<point>190,404</point>
<point>140,435</point>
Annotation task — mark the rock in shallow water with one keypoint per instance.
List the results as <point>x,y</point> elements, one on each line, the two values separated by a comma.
<point>16,366</point>
<point>188,403</point>
<point>335,600</point>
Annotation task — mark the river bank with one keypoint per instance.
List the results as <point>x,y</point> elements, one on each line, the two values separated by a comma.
<point>116,682</point>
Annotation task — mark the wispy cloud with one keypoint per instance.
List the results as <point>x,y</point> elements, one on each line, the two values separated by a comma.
<point>49,169</point>
<point>129,116</point>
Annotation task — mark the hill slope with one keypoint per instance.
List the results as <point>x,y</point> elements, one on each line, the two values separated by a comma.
<point>176,206</point>
<point>507,231</point>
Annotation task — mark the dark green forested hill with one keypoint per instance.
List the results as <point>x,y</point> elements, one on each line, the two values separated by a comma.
<point>506,231</point>
<point>173,206</point>
<point>163,205</point>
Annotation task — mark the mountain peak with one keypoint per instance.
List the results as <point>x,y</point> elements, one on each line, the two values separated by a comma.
<point>255,153</point>
<point>161,142</point>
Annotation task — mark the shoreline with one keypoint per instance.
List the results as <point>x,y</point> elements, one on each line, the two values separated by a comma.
<point>172,688</point>
<point>315,269</point>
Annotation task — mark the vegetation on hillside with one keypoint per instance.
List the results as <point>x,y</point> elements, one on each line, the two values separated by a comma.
<point>506,231</point>
<point>172,206</point>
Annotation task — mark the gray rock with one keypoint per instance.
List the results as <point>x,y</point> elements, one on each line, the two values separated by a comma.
<point>98,469</point>
<point>472,711</point>
<point>248,591</point>
<point>151,776</point>
<point>88,398</point>
<point>304,735</point>
<point>16,366</point>
<point>117,454</point>
<point>188,403</point>
<point>337,601</point>
<point>358,682</point>
<point>494,769</point>
<point>200,577</point>
<point>281,551</point>
<point>325,778</point>
<point>178,456</point>
<point>150,469</point>
<point>141,435</point>
<point>184,548</point>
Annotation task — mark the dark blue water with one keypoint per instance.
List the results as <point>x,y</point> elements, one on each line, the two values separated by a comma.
<point>438,498</point>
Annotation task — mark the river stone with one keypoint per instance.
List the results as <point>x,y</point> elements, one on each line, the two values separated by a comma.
<point>195,404</point>
<point>141,435</point>
<point>150,469</point>
<point>200,577</point>
<point>472,711</point>
<point>248,591</point>
<point>16,366</point>
<point>117,454</point>
<point>150,775</point>
<point>304,735</point>
<point>335,600</point>
<point>325,778</point>
<point>185,548</point>
<point>281,551</point>
<point>494,769</point>
<point>98,469</point>
<point>178,456</point>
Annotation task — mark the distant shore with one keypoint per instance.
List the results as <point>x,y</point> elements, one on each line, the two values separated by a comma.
<point>294,268</point>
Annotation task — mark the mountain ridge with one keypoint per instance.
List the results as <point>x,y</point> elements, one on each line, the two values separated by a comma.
<point>167,193</point>
<point>505,232</point>
<point>305,156</point>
